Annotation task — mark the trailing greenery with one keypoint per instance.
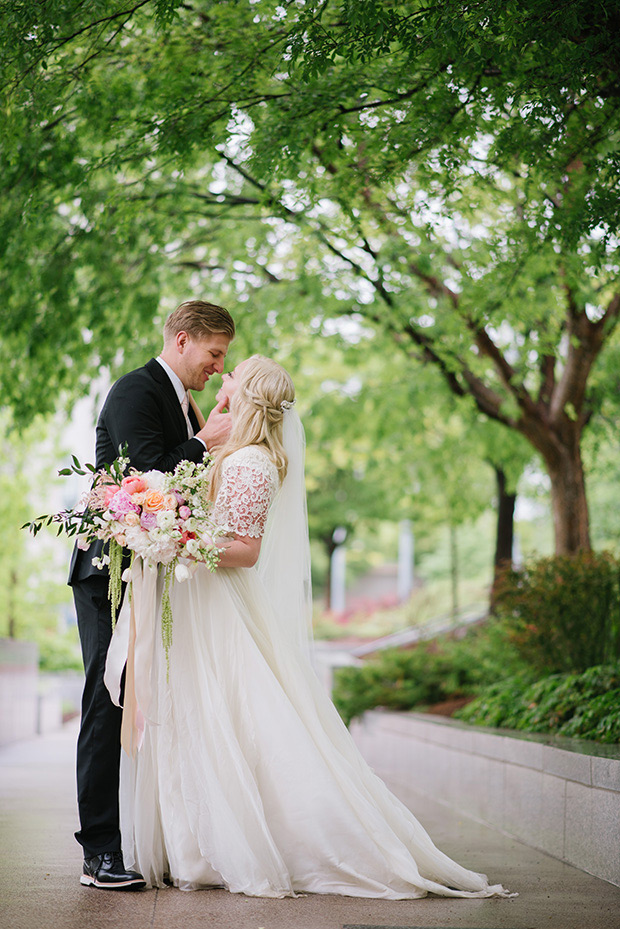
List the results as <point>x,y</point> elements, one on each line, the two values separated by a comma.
<point>563,613</point>
<point>430,673</point>
<point>585,705</point>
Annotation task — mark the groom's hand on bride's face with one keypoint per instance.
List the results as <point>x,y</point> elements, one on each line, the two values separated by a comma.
<point>218,425</point>
<point>222,396</point>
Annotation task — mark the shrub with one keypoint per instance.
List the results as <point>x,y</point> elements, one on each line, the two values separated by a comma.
<point>429,673</point>
<point>563,613</point>
<point>59,652</point>
<point>583,705</point>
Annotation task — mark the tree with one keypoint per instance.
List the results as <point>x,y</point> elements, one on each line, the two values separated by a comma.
<point>385,445</point>
<point>453,165</point>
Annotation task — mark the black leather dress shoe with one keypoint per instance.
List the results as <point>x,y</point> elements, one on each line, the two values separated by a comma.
<point>108,872</point>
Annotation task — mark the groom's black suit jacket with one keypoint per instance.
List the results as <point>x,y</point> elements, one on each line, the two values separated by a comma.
<point>143,411</point>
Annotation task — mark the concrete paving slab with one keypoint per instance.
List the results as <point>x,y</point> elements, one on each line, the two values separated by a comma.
<point>40,864</point>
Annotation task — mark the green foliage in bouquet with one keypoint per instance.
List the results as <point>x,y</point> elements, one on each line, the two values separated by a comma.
<point>430,673</point>
<point>80,521</point>
<point>162,518</point>
<point>563,613</point>
<point>585,705</point>
<point>71,521</point>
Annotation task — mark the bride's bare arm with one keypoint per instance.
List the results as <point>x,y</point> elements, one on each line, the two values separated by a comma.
<point>239,552</point>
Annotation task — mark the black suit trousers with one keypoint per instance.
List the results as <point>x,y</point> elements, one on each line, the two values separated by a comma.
<point>99,745</point>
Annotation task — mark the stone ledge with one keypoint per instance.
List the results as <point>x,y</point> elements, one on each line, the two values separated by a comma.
<point>556,794</point>
<point>573,759</point>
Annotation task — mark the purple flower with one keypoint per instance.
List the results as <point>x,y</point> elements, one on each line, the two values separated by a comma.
<point>148,520</point>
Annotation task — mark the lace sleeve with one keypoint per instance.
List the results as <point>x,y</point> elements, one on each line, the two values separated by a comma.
<point>248,486</point>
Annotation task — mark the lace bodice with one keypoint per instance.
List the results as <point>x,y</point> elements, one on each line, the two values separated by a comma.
<point>248,485</point>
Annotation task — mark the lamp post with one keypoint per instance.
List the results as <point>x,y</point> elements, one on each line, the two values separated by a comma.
<point>338,571</point>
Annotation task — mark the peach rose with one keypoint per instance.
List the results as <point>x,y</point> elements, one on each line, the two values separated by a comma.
<point>132,519</point>
<point>154,500</point>
<point>133,484</point>
<point>170,502</point>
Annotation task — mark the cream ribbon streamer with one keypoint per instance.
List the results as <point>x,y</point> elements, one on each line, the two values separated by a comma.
<point>131,647</point>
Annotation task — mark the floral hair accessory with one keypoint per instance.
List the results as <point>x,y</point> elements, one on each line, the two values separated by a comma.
<point>287,405</point>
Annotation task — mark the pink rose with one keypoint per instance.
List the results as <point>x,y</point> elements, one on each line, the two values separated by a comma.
<point>133,484</point>
<point>110,491</point>
<point>170,502</point>
<point>132,519</point>
<point>184,512</point>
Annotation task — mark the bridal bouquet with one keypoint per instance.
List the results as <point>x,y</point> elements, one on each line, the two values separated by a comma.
<point>163,518</point>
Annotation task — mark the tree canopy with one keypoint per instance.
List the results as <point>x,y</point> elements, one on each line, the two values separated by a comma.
<point>444,173</point>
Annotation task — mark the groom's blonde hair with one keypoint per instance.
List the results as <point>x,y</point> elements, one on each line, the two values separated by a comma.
<point>200,320</point>
<point>257,414</point>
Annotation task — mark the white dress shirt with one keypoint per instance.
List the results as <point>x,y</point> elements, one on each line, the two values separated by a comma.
<point>183,396</point>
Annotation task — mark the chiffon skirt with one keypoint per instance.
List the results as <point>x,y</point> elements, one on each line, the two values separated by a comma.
<point>247,778</point>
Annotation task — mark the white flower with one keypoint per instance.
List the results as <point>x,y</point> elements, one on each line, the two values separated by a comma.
<point>192,546</point>
<point>182,573</point>
<point>166,519</point>
<point>155,480</point>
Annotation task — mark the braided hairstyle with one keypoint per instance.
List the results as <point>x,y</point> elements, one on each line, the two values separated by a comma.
<point>258,411</point>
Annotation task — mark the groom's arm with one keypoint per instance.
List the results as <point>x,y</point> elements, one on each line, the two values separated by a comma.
<point>132,415</point>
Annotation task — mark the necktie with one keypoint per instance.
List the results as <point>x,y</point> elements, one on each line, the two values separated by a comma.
<point>185,408</point>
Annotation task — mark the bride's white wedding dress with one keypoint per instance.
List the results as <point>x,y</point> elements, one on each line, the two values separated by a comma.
<point>247,778</point>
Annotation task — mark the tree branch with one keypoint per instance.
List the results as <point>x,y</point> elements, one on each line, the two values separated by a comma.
<point>585,341</point>
<point>547,383</point>
<point>64,40</point>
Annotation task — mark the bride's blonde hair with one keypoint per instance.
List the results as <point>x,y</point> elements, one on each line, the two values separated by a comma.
<point>257,410</point>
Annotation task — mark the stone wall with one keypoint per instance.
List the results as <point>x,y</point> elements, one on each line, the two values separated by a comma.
<point>19,662</point>
<point>558,795</point>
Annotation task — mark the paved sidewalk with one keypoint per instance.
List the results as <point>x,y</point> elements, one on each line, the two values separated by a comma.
<point>41,864</point>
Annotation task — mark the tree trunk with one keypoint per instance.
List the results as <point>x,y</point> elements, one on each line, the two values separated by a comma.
<point>560,447</point>
<point>330,547</point>
<point>505,532</point>
<point>568,501</point>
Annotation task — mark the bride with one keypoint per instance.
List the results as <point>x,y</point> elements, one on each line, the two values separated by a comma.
<point>247,778</point>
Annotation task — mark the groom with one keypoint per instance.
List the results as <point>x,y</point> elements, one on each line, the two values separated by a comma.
<point>150,410</point>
